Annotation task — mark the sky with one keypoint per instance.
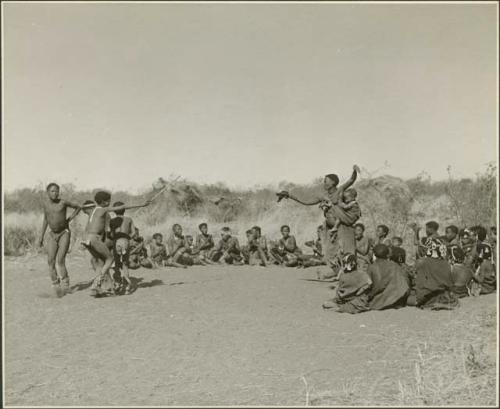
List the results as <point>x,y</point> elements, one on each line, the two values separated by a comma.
<point>117,95</point>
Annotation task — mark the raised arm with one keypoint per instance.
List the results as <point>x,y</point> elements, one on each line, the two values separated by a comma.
<point>349,182</point>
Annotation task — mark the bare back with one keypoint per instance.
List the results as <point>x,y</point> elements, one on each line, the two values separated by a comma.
<point>97,221</point>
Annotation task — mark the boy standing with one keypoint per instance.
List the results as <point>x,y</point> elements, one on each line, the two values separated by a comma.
<point>59,236</point>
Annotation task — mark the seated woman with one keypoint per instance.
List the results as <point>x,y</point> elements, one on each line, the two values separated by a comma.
<point>352,290</point>
<point>485,274</point>
<point>434,281</point>
<point>390,283</point>
<point>461,274</point>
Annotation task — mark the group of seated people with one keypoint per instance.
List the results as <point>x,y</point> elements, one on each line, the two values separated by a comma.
<point>456,264</point>
<point>459,264</point>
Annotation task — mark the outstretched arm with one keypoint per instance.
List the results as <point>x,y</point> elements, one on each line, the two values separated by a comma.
<point>124,207</point>
<point>286,195</point>
<point>73,215</point>
<point>349,182</point>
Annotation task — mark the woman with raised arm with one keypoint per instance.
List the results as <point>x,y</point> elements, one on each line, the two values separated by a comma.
<point>343,241</point>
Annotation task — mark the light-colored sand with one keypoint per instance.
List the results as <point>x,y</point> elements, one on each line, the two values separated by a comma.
<point>209,336</point>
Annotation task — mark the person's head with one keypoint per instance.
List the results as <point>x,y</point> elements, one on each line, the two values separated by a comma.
<point>382,231</point>
<point>177,229</point>
<point>203,228</point>
<point>457,255</point>
<point>381,251</point>
<point>102,198</point>
<point>479,232</point>
<point>397,241</point>
<point>451,232</point>
<point>226,232</point>
<point>359,230</point>
<point>465,236</point>
<point>331,180</point>
<point>158,238</point>
<point>119,212</point>
<point>189,240</point>
<point>398,255</point>
<point>53,191</point>
<point>349,262</point>
<point>257,231</point>
<point>350,195</point>
<point>285,231</point>
<point>431,228</point>
<point>435,249</point>
<point>88,210</point>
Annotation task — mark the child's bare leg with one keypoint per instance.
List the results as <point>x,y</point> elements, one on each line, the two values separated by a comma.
<point>64,243</point>
<point>103,253</point>
<point>51,259</point>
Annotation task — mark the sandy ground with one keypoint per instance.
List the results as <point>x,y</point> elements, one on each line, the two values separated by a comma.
<point>215,335</point>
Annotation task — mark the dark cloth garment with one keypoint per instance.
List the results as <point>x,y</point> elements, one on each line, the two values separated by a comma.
<point>347,298</point>
<point>364,254</point>
<point>434,284</point>
<point>230,247</point>
<point>470,251</point>
<point>461,276</point>
<point>390,285</point>
<point>486,277</point>
<point>205,244</point>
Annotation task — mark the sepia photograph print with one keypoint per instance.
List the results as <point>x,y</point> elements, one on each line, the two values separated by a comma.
<point>249,204</point>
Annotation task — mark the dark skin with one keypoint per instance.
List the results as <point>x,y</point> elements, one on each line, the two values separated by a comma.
<point>54,213</point>
<point>330,188</point>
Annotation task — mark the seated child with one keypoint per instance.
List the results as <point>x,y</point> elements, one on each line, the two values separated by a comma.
<point>286,251</point>
<point>193,253</point>
<point>204,243</point>
<point>227,249</point>
<point>176,245</point>
<point>315,259</point>
<point>158,251</point>
<point>250,246</point>
<point>138,252</point>
<point>461,274</point>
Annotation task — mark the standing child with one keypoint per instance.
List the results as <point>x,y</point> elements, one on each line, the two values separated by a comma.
<point>364,253</point>
<point>398,253</point>
<point>58,238</point>
<point>95,235</point>
<point>121,229</point>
